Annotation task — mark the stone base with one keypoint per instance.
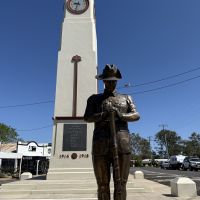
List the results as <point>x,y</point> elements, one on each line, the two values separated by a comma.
<point>25,175</point>
<point>183,187</point>
<point>70,174</point>
<point>139,175</point>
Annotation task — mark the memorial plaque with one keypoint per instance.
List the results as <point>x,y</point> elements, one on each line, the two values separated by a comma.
<point>74,137</point>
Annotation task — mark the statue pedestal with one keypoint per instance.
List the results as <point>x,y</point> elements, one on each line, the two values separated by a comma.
<point>71,151</point>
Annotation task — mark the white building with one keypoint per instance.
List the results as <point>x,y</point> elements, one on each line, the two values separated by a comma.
<point>33,149</point>
<point>34,156</point>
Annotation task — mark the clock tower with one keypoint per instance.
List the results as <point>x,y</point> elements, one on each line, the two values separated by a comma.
<point>76,70</point>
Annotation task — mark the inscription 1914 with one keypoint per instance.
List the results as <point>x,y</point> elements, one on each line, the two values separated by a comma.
<point>74,137</point>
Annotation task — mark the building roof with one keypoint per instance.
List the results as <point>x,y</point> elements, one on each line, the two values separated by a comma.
<point>9,147</point>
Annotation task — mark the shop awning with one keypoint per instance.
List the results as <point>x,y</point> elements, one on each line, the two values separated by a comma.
<point>6,155</point>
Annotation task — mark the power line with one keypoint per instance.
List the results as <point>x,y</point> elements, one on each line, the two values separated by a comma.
<point>35,129</point>
<point>166,86</point>
<point>162,79</point>
<point>163,125</point>
<point>28,104</point>
<point>126,86</point>
<point>140,92</point>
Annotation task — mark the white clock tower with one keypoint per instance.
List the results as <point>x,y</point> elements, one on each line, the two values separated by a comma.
<point>77,67</point>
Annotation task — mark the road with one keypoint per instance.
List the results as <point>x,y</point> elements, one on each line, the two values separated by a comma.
<point>165,176</point>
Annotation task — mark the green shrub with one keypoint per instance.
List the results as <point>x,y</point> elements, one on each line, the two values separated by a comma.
<point>138,162</point>
<point>3,175</point>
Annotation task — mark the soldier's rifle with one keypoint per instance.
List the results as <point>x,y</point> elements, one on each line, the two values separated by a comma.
<point>116,166</point>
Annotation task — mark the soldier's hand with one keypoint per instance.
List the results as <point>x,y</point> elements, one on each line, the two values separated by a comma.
<point>116,111</point>
<point>104,115</point>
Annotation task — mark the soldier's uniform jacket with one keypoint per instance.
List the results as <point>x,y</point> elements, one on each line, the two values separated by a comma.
<point>96,105</point>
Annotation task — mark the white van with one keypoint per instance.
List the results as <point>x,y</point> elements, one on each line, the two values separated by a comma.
<point>176,161</point>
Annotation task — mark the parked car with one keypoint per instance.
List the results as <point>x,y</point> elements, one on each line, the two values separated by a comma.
<point>191,163</point>
<point>176,161</point>
<point>165,164</point>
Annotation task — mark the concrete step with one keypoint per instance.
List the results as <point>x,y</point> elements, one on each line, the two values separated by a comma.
<point>44,185</point>
<point>61,189</point>
<point>51,196</point>
<point>61,197</point>
<point>92,190</point>
<point>135,196</point>
<point>51,185</point>
<point>45,190</point>
<point>59,194</point>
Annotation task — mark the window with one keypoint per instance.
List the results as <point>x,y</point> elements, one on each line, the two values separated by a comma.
<point>32,148</point>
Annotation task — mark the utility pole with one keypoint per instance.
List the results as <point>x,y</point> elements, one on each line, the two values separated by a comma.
<point>150,147</point>
<point>166,144</point>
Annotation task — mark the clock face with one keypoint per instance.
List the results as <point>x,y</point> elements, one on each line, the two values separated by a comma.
<point>77,6</point>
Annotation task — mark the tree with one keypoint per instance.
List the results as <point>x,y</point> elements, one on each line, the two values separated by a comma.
<point>192,146</point>
<point>140,147</point>
<point>169,143</point>
<point>7,134</point>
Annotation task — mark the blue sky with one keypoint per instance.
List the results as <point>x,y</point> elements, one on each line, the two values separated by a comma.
<point>147,40</point>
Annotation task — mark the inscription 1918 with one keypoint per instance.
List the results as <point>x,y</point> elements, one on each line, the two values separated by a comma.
<point>74,137</point>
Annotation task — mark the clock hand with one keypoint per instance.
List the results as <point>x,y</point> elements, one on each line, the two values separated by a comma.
<point>77,4</point>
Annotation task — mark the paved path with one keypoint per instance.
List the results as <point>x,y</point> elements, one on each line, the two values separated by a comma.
<point>7,180</point>
<point>163,176</point>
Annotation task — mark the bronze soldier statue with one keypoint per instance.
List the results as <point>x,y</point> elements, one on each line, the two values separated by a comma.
<point>111,134</point>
